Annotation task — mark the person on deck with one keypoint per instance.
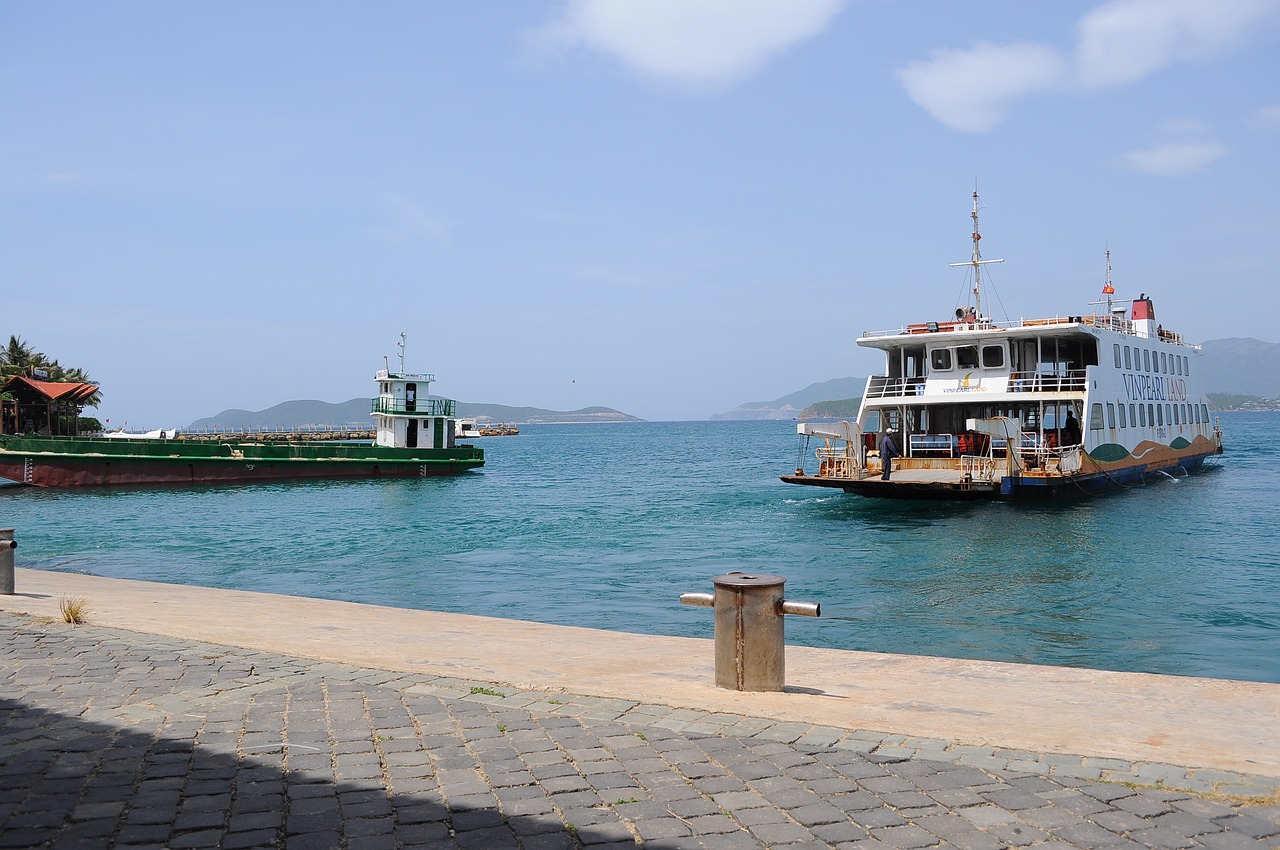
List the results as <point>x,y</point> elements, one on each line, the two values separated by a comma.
<point>888,451</point>
<point>1070,430</point>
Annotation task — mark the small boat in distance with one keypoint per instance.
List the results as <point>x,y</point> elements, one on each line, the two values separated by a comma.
<point>414,437</point>
<point>1052,407</point>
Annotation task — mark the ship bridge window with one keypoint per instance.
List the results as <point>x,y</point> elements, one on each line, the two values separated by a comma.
<point>1117,349</point>
<point>1204,408</point>
<point>1128,361</point>
<point>940,360</point>
<point>1164,363</point>
<point>1146,360</point>
<point>992,356</point>
<point>967,356</point>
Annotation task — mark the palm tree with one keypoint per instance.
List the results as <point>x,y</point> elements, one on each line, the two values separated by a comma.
<point>18,357</point>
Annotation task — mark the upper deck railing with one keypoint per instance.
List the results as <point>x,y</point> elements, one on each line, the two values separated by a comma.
<point>882,386</point>
<point>1118,324</point>
<point>1053,382</point>
<point>429,406</point>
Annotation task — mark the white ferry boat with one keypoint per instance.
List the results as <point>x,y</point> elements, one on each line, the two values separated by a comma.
<point>976,409</point>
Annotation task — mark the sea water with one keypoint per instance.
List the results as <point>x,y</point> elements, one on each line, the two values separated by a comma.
<point>605,526</point>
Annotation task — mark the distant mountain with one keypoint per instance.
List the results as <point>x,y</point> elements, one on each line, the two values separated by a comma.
<point>1240,366</point>
<point>356,412</point>
<point>789,406</point>
<point>292,413</point>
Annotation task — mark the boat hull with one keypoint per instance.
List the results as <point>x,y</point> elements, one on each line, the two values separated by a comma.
<point>1027,487</point>
<point>72,462</point>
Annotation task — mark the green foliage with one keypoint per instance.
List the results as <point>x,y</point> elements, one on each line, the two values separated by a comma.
<point>86,424</point>
<point>1237,401</point>
<point>844,408</point>
<point>19,358</point>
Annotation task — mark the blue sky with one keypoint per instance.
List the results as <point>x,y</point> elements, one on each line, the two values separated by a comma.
<point>664,206</point>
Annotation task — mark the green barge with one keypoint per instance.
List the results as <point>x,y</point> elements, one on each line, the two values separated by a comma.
<point>414,438</point>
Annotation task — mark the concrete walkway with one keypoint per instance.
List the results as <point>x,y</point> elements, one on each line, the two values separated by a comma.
<point>186,717</point>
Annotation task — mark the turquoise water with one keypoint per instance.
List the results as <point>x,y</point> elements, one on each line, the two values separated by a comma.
<point>605,525</point>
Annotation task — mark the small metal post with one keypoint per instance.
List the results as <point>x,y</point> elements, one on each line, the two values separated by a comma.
<point>749,635</point>
<point>7,545</point>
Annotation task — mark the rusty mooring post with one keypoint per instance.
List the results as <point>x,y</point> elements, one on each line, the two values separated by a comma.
<point>750,638</point>
<point>7,545</point>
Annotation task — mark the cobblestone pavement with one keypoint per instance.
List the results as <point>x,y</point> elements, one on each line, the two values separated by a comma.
<point>116,739</point>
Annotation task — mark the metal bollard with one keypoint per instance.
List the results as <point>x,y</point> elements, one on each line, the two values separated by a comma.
<point>7,545</point>
<point>750,645</point>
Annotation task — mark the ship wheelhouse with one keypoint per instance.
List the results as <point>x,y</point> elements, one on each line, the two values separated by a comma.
<point>406,416</point>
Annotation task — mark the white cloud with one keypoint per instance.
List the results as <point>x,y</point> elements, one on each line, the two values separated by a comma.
<point>1119,41</point>
<point>970,89</point>
<point>1182,149</point>
<point>1127,40</point>
<point>1266,116</point>
<point>704,43</point>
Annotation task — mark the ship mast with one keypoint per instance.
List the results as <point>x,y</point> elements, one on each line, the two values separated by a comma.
<point>1107,289</point>
<point>977,262</point>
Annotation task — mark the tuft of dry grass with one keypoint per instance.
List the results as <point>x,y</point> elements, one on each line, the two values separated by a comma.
<point>73,610</point>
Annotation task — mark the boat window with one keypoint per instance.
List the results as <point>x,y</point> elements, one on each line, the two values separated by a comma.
<point>1195,412</point>
<point>1111,415</point>
<point>1204,408</point>
<point>1177,414</point>
<point>1177,359</point>
<point>1160,414</point>
<point>966,357</point>
<point>1142,415</point>
<point>1095,416</point>
<point>1146,360</point>
<point>1117,353</point>
<point>940,360</point>
<point>1123,423</point>
<point>1133,417</point>
<point>1186,365</point>
<point>1151,415</point>
<point>992,356</point>
<point>1128,362</point>
<point>1164,364</point>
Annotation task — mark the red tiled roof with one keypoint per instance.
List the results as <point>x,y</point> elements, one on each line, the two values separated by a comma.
<point>54,390</point>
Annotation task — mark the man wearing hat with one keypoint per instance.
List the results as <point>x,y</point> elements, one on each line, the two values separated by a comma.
<point>888,451</point>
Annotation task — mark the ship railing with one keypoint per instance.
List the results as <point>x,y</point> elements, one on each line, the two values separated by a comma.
<point>1053,382</point>
<point>978,467</point>
<point>429,406</point>
<point>938,327</point>
<point>982,324</point>
<point>931,445</point>
<point>883,386</point>
<point>309,428</point>
<point>1110,322</point>
<point>834,463</point>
